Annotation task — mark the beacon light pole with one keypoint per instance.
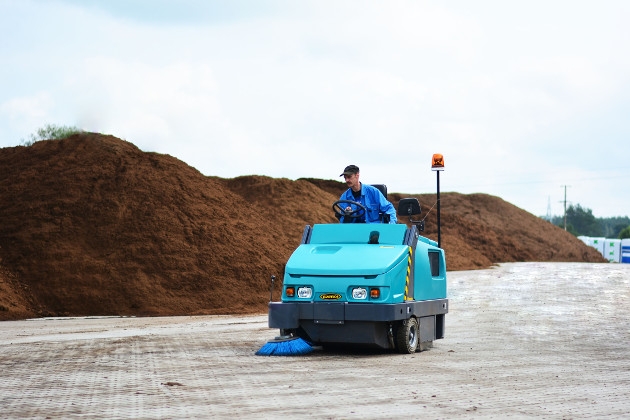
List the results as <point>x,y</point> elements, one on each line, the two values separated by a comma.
<point>437,165</point>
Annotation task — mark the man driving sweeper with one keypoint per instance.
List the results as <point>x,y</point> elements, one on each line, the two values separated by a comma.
<point>373,206</point>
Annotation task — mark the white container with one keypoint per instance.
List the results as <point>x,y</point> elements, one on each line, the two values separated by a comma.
<point>612,250</point>
<point>586,240</point>
<point>598,243</point>
<point>625,251</point>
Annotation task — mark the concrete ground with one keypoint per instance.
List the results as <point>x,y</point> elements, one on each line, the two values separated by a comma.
<point>523,340</point>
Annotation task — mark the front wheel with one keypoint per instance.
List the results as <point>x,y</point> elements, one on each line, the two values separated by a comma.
<point>407,336</point>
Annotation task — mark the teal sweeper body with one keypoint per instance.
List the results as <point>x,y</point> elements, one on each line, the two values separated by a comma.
<point>377,285</point>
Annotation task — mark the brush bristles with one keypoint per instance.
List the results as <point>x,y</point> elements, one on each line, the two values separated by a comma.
<point>291,347</point>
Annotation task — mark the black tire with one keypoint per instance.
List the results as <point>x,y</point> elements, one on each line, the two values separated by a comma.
<point>407,336</point>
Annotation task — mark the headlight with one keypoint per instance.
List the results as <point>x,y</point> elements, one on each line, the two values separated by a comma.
<point>305,292</point>
<point>359,293</point>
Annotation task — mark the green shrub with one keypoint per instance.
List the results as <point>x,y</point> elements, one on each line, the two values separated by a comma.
<point>51,132</point>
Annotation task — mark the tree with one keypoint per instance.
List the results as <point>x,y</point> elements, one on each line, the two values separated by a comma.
<point>613,225</point>
<point>625,233</point>
<point>580,221</point>
<point>583,221</point>
<point>571,229</point>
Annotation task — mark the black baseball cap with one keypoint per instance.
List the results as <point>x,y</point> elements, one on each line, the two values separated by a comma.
<point>350,169</point>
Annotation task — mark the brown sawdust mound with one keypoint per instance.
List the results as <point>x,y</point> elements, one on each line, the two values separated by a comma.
<point>91,225</point>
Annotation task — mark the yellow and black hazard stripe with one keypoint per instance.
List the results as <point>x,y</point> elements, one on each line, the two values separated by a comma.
<point>409,280</point>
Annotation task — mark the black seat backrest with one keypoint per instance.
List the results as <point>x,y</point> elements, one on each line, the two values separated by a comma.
<point>409,207</point>
<point>382,188</point>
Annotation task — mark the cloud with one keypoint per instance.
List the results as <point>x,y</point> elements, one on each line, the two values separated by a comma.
<point>301,89</point>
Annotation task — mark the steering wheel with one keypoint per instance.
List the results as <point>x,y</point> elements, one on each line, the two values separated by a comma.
<point>350,214</point>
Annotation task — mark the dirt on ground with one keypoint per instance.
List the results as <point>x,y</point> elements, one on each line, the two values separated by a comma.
<point>92,225</point>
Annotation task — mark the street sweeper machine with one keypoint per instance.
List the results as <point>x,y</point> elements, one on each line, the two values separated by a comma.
<point>375,285</point>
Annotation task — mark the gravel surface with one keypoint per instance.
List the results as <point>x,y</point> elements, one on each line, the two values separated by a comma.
<point>523,340</point>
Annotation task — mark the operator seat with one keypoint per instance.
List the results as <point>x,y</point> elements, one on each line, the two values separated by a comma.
<point>382,188</point>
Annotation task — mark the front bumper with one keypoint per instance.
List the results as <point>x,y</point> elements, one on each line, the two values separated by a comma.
<point>289,315</point>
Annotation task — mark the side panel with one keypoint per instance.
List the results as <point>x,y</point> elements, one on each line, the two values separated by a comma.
<point>430,273</point>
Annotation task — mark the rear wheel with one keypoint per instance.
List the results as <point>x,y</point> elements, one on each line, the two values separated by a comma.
<point>407,336</point>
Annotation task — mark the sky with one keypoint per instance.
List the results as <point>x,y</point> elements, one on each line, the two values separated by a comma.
<point>524,99</point>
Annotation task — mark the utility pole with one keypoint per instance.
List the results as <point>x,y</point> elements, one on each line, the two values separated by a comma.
<point>565,205</point>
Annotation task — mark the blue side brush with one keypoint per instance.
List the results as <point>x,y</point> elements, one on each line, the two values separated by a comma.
<point>285,345</point>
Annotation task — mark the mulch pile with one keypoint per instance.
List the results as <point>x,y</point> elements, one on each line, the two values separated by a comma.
<point>91,225</point>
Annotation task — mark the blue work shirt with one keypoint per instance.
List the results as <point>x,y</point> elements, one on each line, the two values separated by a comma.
<point>374,202</point>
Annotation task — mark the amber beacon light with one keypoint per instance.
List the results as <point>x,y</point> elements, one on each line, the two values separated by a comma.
<point>437,164</point>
